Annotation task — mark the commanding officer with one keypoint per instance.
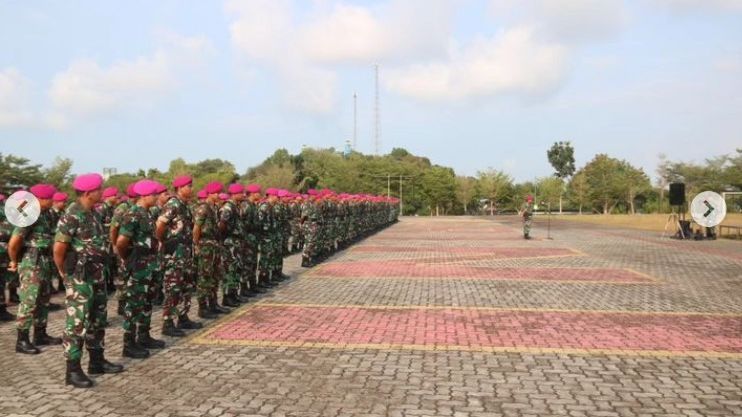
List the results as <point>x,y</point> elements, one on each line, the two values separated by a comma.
<point>6,230</point>
<point>174,230</point>
<point>86,300</point>
<point>35,273</point>
<point>137,247</point>
<point>527,213</point>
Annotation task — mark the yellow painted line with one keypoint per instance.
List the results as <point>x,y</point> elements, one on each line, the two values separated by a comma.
<point>463,348</point>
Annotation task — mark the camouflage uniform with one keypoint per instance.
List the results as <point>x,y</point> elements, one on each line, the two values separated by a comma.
<point>527,211</point>
<point>179,279</point>
<point>250,227</point>
<point>266,238</point>
<point>35,272</point>
<point>116,219</point>
<point>159,271</point>
<point>138,226</point>
<point>207,252</point>
<point>311,224</point>
<point>232,254</point>
<point>86,286</point>
<point>105,214</point>
<point>6,277</point>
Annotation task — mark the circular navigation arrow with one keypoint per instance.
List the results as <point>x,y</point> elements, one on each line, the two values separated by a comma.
<point>708,209</point>
<point>22,209</point>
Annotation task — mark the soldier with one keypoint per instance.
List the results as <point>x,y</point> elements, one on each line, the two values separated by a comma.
<point>267,228</point>
<point>249,210</point>
<point>527,214</point>
<point>206,250</point>
<point>158,296</point>
<point>280,235</point>
<point>86,286</point>
<point>116,219</point>
<point>105,214</point>
<point>6,230</point>
<point>231,228</point>
<point>310,222</point>
<point>58,207</point>
<point>35,273</point>
<point>175,233</point>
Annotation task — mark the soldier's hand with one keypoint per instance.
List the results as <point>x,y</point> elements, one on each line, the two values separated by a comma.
<point>12,266</point>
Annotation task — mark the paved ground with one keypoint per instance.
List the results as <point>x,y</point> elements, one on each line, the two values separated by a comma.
<point>444,317</point>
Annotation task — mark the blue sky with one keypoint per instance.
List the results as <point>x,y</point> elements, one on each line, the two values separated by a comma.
<point>470,84</point>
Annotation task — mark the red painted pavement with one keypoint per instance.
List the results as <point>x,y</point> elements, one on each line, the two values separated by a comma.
<point>462,250</point>
<point>407,269</point>
<point>475,328</point>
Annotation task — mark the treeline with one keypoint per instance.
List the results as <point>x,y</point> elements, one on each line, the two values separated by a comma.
<point>603,185</point>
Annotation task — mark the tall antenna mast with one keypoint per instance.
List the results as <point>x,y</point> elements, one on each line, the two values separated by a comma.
<point>377,116</point>
<point>355,121</point>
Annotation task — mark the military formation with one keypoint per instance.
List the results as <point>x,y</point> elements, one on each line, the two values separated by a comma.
<point>156,245</point>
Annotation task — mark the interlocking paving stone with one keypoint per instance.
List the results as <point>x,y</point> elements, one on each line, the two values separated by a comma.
<point>697,291</point>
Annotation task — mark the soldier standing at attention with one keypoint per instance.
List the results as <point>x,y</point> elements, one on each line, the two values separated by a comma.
<point>57,210</point>
<point>310,223</point>
<point>527,214</point>
<point>136,245</point>
<point>252,230</point>
<point>86,299</point>
<point>174,230</point>
<point>206,249</point>
<point>157,293</point>
<point>116,219</point>
<point>35,273</point>
<point>105,213</point>
<point>230,227</point>
<point>6,230</point>
<point>267,229</point>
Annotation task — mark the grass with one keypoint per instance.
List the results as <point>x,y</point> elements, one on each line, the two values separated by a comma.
<point>654,222</point>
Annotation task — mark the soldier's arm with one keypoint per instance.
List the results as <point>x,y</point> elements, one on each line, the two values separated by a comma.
<point>14,250</point>
<point>126,232</point>
<point>60,254</point>
<point>113,234</point>
<point>122,246</point>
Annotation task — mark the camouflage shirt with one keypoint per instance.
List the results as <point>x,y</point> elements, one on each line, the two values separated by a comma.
<point>118,214</point>
<point>309,212</point>
<point>205,217</point>
<point>83,230</point>
<point>6,230</point>
<point>138,225</point>
<point>179,220</point>
<point>56,215</point>
<point>265,219</point>
<point>105,215</point>
<point>229,214</point>
<point>40,234</point>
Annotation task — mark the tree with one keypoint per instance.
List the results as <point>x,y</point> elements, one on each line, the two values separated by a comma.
<point>438,185</point>
<point>579,189</point>
<point>550,190</point>
<point>16,173</point>
<point>604,190</point>
<point>466,191</point>
<point>562,157</point>
<point>59,173</point>
<point>495,185</point>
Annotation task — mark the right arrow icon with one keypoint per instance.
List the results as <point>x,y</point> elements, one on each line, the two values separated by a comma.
<point>710,210</point>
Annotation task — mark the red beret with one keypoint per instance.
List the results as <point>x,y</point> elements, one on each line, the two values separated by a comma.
<point>87,182</point>
<point>202,194</point>
<point>236,188</point>
<point>2,197</point>
<point>110,192</point>
<point>160,188</point>
<point>182,181</point>
<point>59,197</point>
<point>145,188</point>
<point>214,187</point>
<point>271,191</point>
<point>223,196</point>
<point>43,191</point>
<point>253,188</point>
<point>130,191</point>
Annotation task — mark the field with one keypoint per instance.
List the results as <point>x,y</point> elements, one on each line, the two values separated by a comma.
<point>654,222</point>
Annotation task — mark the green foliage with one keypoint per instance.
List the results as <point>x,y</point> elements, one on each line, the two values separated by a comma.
<point>17,172</point>
<point>562,157</point>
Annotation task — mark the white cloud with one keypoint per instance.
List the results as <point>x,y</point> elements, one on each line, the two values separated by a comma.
<point>87,89</point>
<point>513,62</point>
<point>15,92</point>
<point>302,49</point>
<point>695,5</point>
<point>731,63</point>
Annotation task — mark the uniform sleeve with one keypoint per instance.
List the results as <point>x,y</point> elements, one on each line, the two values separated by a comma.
<point>225,214</point>
<point>128,225</point>
<point>199,217</point>
<point>21,231</point>
<point>117,216</point>
<point>168,213</point>
<point>66,228</point>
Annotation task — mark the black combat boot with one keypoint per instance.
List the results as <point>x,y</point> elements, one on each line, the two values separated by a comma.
<point>75,376</point>
<point>215,308</point>
<point>4,314</point>
<point>204,312</point>
<point>169,329</point>
<point>306,262</point>
<point>121,308</point>
<point>132,349</point>
<point>54,307</point>
<point>40,338</point>
<point>146,341</point>
<point>23,345</point>
<point>185,323</point>
<point>98,364</point>
<point>243,296</point>
<point>230,300</point>
<point>13,295</point>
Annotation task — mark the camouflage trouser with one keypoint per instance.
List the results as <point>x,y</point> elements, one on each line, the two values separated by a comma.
<point>5,275</point>
<point>86,301</point>
<point>265,257</point>
<point>175,282</point>
<point>139,291</point>
<point>310,240</point>
<point>249,260</point>
<point>158,276</point>
<point>277,252</point>
<point>232,264</point>
<point>207,262</point>
<point>35,272</point>
<point>527,223</point>
<point>120,279</point>
<point>285,237</point>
